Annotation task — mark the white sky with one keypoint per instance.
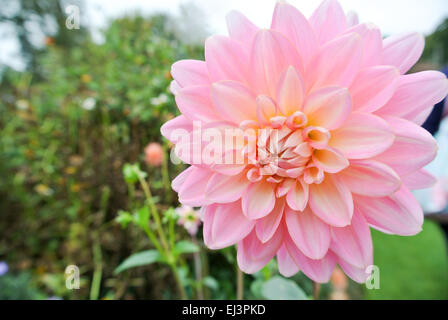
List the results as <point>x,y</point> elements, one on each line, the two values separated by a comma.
<point>392,16</point>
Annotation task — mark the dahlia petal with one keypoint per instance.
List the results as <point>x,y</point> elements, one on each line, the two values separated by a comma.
<point>241,29</point>
<point>410,139</point>
<point>175,87</point>
<point>253,255</point>
<point>362,136</point>
<point>195,103</point>
<point>370,178</point>
<point>317,270</point>
<point>420,179</point>
<point>225,225</point>
<point>309,233</point>
<point>266,109</point>
<point>332,201</point>
<point>226,59</point>
<point>224,189</point>
<point>290,92</point>
<point>328,21</point>
<point>178,124</point>
<point>258,200</point>
<point>190,73</point>
<point>403,51</point>
<point>177,182</point>
<point>352,19</point>
<point>297,196</point>
<point>192,192</point>
<point>345,54</point>
<point>234,101</point>
<point>293,24</point>
<point>353,243</point>
<point>372,43</point>
<point>356,274</point>
<point>286,265</point>
<point>271,55</point>
<point>284,187</point>
<point>267,226</point>
<point>417,93</point>
<point>399,213</point>
<point>374,87</point>
<point>330,160</point>
<point>328,107</point>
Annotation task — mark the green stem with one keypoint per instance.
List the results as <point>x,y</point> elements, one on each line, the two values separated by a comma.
<point>239,284</point>
<point>98,271</point>
<point>165,174</point>
<point>182,292</point>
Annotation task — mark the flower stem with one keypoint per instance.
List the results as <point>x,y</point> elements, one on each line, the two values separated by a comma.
<point>316,290</point>
<point>239,284</point>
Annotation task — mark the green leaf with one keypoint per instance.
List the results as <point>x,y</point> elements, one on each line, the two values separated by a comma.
<point>210,282</point>
<point>185,247</point>
<point>124,218</point>
<point>132,172</point>
<point>279,288</point>
<point>139,259</point>
<point>142,217</point>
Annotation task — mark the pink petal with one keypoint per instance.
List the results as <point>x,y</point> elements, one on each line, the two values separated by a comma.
<point>267,226</point>
<point>290,92</point>
<point>173,129</point>
<point>328,21</point>
<point>225,189</point>
<point>317,270</point>
<point>420,179</point>
<point>362,136</point>
<point>332,201</point>
<point>417,93</point>
<point>195,103</point>
<point>284,187</point>
<point>192,192</point>
<point>297,197</point>
<point>241,29</point>
<point>398,214</point>
<point>190,73</point>
<point>293,24</point>
<point>413,148</point>
<point>177,183</point>
<point>353,243</point>
<point>403,51</point>
<point>271,55</point>
<point>266,109</point>
<point>372,43</point>
<point>330,160</point>
<point>225,225</point>
<point>373,88</point>
<point>328,107</point>
<point>345,54</point>
<point>234,101</point>
<point>253,255</point>
<point>352,19</point>
<point>356,274</point>
<point>286,265</point>
<point>174,87</point>
<point>258,200</point>
<point>226,59</point>
<point>370,178</point>
<point>309,233</point>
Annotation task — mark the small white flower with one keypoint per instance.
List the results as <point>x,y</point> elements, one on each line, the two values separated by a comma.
<point>22,104</point>
<point>161,99</point>
<point>89,104</point>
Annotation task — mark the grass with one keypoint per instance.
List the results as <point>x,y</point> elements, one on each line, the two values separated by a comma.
<point>411,267</point>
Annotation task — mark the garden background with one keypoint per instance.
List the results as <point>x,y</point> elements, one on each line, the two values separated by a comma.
<point>74,175</point>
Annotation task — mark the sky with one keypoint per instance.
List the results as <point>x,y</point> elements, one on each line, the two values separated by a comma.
<point>392,16</point>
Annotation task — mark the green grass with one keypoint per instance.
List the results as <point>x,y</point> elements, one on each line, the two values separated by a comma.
<point>411,267</point>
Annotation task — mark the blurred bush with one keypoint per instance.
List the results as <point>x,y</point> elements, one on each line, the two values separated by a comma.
<point>64,139</point>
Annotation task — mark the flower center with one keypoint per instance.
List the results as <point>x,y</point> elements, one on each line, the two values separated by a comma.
<point>285,148</point>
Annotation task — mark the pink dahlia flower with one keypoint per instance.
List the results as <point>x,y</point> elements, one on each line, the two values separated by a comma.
<point>332,143</point>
